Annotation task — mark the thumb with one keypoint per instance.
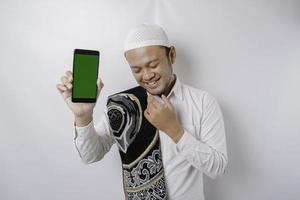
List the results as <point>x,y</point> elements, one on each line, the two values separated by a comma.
<point>100,86</point>
<point>167,101</point>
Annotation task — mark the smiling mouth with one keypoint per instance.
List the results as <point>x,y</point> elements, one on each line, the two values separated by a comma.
<point>152,84</point>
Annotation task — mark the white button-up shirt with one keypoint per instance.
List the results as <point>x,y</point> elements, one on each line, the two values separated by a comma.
<point>201,149</point>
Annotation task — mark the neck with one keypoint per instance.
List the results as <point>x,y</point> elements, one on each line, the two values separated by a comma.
<point>170,86</point>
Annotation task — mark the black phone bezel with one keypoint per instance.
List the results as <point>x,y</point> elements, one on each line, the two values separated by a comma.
<point>85,52</point>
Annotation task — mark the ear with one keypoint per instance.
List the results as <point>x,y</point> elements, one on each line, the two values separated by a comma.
<point>172,54</point>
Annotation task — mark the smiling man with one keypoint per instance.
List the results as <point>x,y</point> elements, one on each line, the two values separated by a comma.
<point>168,133</point>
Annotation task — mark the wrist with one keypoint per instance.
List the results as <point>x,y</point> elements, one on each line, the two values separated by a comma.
<point>83,120</point>
<point>176,133</point>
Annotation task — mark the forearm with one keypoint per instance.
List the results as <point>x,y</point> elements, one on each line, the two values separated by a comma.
<point>91,146</point>
<point>210,160</point>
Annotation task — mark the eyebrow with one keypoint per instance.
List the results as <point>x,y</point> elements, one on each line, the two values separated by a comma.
<point>151,61</point>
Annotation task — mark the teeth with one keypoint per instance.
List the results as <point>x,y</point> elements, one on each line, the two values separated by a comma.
<point>152,83</point>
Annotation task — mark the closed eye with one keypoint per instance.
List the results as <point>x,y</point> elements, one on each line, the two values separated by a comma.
<point>135,70</point>
<point>153,66</point>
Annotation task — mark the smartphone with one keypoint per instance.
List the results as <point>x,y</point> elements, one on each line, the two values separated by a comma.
<point>85,75</point>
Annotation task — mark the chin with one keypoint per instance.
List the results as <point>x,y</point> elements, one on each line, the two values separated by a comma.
<point>156,91</point>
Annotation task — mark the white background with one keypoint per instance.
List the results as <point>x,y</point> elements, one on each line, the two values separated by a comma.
<point>245,53</point>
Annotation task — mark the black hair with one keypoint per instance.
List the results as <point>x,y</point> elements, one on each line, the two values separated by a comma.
<point>168,49</point>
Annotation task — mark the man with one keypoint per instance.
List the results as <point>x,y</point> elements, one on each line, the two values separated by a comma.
<point>189,121</point>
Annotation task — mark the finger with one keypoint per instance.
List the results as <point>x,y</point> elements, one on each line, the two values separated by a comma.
<point>156,101</point>
<point>64,80</point>
<point>153,111</point>
<point>66,94</point>
<point>69,75</point>
<point>150,109</point>
<point>69,86</point>
<point>167,101</point>
<point>63,91</point>
<point>150,101</point>
<point>147,115</point>
<point>100,85</point>
<point>61,88</point>
<point>153,102</point>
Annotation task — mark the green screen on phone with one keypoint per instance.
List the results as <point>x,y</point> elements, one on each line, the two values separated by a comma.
<point>85,74</point>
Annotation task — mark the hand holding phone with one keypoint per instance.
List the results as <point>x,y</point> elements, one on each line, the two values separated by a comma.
<point>80,109</point>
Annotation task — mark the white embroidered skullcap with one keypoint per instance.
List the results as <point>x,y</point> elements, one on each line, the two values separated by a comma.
<point>146,35</point>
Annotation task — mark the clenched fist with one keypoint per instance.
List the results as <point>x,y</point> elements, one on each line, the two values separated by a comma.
<point>82,111</point>
<point>163,117</point>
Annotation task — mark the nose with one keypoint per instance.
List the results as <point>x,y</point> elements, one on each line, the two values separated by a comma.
<point>148,75</point>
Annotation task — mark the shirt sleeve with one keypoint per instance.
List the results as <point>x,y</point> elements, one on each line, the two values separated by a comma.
<point>93,141</point>
<point>209,152</point>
